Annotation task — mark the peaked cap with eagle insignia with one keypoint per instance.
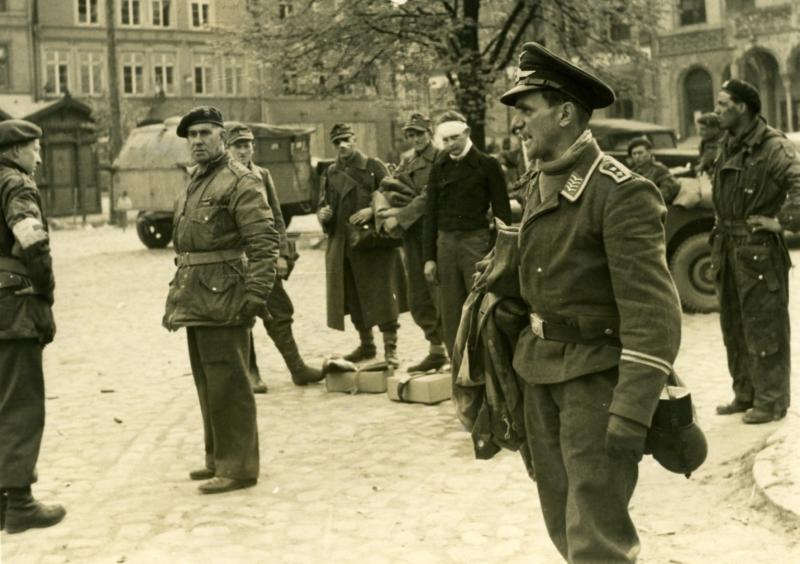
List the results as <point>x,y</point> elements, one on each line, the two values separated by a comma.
<point>540,69</point>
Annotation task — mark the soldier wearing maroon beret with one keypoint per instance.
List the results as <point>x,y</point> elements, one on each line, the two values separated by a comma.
<point>26,326</point>
<point>605,321</point>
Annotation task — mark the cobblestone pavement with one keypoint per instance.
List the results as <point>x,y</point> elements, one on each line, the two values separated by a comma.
<point>344,478</point>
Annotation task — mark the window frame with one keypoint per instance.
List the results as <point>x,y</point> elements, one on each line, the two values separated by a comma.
<point>165,62</point>
<point>130,4</point>
<point>209,14</point>
<point>92,59</point>
<point>206,65</point>
<point>57,58</point>
<point>87,23</point>
<point>236,66</point>
<point>681,13</point>
<point>160,11</point>
<point>134,61</point>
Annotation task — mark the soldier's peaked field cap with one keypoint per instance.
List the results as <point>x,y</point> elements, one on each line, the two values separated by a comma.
<point>200,114</point>
<point>539,69</point>
<point>417,122</point>
<point>15,131</point>
<point>340,131</point>
<point>745,92</point>
<point>238,131</point>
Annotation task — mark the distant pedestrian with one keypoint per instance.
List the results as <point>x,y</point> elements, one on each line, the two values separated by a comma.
<point>367,284</point>
<point>26,326</point>
<point>755,173</point>
<point>464,185</point>
<point>241,145</point>
<point>226,244</point>
<point>711,133</point>
<point>640,150</point>
<point>122,207</point>
<point>406,216</point>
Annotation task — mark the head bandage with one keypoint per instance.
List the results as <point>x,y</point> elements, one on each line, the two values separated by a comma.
<point>450,128</point>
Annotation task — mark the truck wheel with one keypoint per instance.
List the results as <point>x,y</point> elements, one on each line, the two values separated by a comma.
<point>154,233</point>
<point>691,269</point>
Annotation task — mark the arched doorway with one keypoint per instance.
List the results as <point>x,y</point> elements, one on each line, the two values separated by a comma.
<point>760,69</point>
<point>698,97</point>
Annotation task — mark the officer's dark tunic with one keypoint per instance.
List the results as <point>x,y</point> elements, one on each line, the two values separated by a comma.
<point>753,176</point>
<point>26,324</point>
<point>604,333</point>
<point>222,215</point>
<point>422,298</point>
<point>456,229</point>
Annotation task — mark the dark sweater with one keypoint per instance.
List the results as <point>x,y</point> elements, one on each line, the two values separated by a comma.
<point>459,195</point>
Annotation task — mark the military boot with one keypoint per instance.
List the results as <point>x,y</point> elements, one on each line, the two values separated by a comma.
<point>3,503</point>
<point>302,374</point>
<point>736,406</point>
<point>256,383</point>
<point>23,512</point>
<point>436,359</point>
<point>366,350</point>
<point>757,415</point>
<point>390,348</point>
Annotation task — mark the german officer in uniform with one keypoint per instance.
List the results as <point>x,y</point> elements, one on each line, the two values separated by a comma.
<point>604,313</point>
<point>26,326</point>
<point>241,146</point>
<point>225,238</point>
<point>756,169</point>
<point>407,219</point>
<point>367,284</point>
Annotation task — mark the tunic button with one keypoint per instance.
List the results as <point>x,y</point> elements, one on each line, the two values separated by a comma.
<point>760,276</point>
<point>539,269</point>
<point>755,257</point>
<point>213,288</point>
<point>609,331</point>
<point>763,353</point>
<point>481,443</point>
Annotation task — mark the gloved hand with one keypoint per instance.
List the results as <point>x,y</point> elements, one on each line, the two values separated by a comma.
<point>252,307</point>
<point>625,438</point>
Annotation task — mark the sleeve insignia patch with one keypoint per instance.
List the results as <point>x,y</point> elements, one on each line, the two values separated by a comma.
<point>613,168</point>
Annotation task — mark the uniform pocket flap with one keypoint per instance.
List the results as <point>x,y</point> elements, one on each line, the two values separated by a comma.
<point>756,261</point>
<point>218,283</point>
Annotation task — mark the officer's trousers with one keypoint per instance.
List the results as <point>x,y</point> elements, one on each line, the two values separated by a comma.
<point>456,255</point>
<point>219,357</point>
<point>422,297</point>
<point>584,493</point>
<point>21,411</point>
<point>753,290</point>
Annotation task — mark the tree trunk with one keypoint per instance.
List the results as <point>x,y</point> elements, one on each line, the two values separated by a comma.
<point>471,87</point>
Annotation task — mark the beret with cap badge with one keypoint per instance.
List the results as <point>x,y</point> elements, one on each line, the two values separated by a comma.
<point>14,131</point>
<point>541,69</point>
<point>200,114</point>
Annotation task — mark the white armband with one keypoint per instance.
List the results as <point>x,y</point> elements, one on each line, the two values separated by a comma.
<point>29,231</point>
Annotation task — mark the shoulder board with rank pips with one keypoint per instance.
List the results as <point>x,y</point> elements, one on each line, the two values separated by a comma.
<point>615,169</point>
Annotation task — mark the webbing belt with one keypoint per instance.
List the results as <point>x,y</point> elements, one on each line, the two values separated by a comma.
<point>209,257</point>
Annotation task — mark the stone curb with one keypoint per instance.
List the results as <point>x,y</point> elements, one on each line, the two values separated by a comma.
<point>776,469</point>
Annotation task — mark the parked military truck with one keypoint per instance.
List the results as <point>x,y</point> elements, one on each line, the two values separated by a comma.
<point>152,169</point>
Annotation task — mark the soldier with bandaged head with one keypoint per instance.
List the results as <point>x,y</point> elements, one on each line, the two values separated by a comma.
<point>26,326</point>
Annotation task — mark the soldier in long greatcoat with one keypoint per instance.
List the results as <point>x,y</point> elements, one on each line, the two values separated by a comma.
<point>367,284</point>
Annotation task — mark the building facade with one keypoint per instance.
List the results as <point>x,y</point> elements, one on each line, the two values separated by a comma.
<point>705,42</point>
<point>170,57</point>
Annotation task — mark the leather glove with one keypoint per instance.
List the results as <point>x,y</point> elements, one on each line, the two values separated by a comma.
<point>253,307</point>
<point>625,438</point>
